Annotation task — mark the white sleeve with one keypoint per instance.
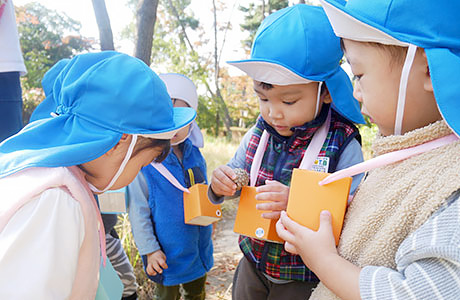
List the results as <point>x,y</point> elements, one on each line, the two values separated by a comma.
<point>39,248</point>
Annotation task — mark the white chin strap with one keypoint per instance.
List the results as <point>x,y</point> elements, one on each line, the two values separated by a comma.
<point>120,170</point>
<point>318,97</point>
<point>403,88</point>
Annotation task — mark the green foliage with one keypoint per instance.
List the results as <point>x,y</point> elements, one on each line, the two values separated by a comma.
<point>46,36</point>
<point>30,99</point>
<point>368,133</point>
<point>253,17</point>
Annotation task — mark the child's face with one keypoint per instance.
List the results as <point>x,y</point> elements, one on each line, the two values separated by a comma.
<point>101,170</point>
<point>284,107</point>
<point>377,87</point>
<point>134,165</point>
<point>181,134</point>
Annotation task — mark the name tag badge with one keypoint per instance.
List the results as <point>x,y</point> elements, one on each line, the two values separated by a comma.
<point>113,202</point>
<point>321,164</point>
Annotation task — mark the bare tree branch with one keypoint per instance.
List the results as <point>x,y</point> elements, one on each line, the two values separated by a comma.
<point>176,14</point>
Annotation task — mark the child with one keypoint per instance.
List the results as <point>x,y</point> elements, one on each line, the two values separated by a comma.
<point>401,234</point>
<point>294,104</point>
<point>174,254</point>
<point>101,131</point>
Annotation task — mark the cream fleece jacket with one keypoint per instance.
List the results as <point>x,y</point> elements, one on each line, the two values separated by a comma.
<point>397,199</point>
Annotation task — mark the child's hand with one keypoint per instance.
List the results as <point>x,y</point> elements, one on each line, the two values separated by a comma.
<point>312,246</point>
<point>222,181</point>
<point>275,192</point>
<point>156,262</point>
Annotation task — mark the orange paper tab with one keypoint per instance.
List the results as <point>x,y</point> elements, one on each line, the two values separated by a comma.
<point>307,199</point>
<point>249,221</point>
<point>198,209</point>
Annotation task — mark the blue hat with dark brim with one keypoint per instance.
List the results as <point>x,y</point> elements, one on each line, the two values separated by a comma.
<point>432,25</point>
<point>91,100</point>
<point>296,45</point>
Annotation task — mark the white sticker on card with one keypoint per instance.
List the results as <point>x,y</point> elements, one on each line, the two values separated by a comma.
<point>321,164</point>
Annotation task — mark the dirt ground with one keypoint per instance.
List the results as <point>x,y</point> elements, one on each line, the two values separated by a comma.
<point>227,254</point>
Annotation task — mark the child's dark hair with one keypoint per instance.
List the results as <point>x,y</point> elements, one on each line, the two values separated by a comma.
<point>268,86</point>
<point>144,143</point>
<point>397,53</point>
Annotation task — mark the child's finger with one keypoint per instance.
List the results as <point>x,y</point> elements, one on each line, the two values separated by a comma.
<point>273,206</point>
<point>225,179</point>
<point>290,248</point>
<point>229,172</point>
<point>271,186</point>
<point>271,196</point>
<point>150,270</point>
<point>163,264</point>
<point>273,215</point>
<point>325,222</point>
<point>220,188</point>
<point>157,267</point>
<point>291,225</point>
<point>283,232</point>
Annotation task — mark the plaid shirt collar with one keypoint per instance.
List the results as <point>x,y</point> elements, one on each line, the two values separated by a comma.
<point>302,134</point>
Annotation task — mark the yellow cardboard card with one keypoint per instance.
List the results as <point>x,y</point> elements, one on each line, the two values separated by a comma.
<point>307,199</point>
<point>249,221</point>
<point>198,210</point>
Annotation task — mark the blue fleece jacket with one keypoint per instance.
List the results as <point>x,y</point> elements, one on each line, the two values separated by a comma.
<point>156,212</point>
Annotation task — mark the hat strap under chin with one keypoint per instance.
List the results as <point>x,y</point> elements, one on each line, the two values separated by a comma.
<point>318,97</point>
<point>403,88</point>
<point>120,170</point>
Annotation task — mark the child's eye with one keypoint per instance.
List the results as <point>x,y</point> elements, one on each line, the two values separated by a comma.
<point>357,77</point>
<point>263,100</point>
<point>289,102</point>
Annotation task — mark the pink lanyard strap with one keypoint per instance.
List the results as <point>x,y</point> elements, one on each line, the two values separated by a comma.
<point>170,177</point>
<point>389,158</point>
<point>310,154</point>
<point>79,174</point>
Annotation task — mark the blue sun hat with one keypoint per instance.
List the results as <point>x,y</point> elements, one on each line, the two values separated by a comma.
<point>91,100</point>
<point>296,45</point>
<point>431,25</point>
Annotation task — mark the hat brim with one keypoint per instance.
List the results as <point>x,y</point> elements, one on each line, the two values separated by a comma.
<point>270,72</point>
<point>55,142</point>
<point>347,24</point>
<point>68,140</point>
<point>445,84</point>
<point>182,117</point>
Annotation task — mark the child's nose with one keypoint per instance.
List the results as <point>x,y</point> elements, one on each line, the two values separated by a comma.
<point>357,92</point>
<point>275,113</point>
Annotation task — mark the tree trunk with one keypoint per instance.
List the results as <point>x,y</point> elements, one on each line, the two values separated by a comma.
<point>216,132</point>
<point>146,15</point>
<point>302,1</point>
<point>103,23</point>
<point>219,98</point>
<point>263,9</point>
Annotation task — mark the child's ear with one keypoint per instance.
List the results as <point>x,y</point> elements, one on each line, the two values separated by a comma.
<point>124,141</point>
<point>326,97</point>
<point>427,84</point>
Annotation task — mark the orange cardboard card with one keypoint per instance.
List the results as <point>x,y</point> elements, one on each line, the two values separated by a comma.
<point>249,221</point>
<point>198,210</point>
<point>307,199</point>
